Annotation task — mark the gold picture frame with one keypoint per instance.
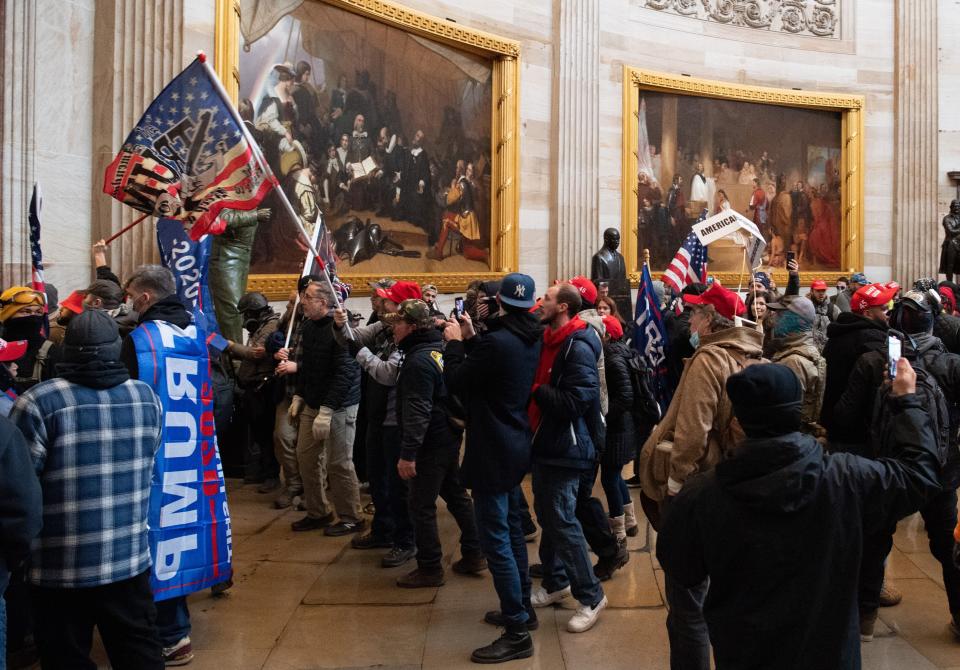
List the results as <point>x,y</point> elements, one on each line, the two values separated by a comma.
<point>851,108</point>
<point>504,55</point>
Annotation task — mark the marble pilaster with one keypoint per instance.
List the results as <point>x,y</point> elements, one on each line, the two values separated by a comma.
<point>917,229</point>
<point>578,117</point>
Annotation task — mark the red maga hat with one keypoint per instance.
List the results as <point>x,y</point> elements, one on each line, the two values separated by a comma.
<point>402,290</point>
<point>818,285</point>
<point>727,303</point>
<point>12,351</point>
<point>588,290</point>
<point>873,295</point>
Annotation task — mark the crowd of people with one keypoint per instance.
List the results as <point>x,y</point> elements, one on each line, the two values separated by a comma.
<point>779,430</point>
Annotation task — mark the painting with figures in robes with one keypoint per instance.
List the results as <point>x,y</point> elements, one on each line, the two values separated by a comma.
<point>779,166</point>
<point>384,132</point>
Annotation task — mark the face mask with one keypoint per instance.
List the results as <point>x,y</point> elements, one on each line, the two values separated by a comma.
<point>250,325</point>
<point>23,328</point>
<point>695,339</point>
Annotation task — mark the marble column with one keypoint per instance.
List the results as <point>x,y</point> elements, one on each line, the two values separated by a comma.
<point>917,233</point>
<point>578,121</point>
<point>17,146</point>
<point>139,49</point>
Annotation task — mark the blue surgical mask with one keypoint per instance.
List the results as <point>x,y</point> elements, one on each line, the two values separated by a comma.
<point>695,339</point>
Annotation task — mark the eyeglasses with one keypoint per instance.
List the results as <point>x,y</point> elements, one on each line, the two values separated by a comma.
<point>313,298</point>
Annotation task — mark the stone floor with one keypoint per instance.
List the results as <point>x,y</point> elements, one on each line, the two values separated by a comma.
<point>302,600</point>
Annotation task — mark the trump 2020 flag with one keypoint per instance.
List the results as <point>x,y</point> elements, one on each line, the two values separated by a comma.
<point>188,260</point>
<point>189,156</point>
<point>650,336</point>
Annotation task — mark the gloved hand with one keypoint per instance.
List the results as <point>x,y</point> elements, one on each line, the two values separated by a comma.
<point>321,425</point>
<point>296,406</point>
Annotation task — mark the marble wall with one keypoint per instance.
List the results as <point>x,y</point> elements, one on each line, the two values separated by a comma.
<point>66,148</point>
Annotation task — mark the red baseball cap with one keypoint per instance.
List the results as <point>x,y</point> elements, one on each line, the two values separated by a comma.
<point>588,290</point>
<point>818,285</point>
<point>402,290</point>
<point>727,303</point>
<point>12,351</point>
<point>612,324</point>
<point>73,302</point>
<point>873,295</point>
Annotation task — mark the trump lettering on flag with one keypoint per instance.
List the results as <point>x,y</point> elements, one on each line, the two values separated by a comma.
<point>189,156</point>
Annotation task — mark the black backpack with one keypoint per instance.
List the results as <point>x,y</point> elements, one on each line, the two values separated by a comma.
<point>646,410</point>
<point>932,398</point>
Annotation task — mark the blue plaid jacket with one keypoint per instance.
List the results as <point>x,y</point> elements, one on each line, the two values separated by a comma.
<point>93,450</point>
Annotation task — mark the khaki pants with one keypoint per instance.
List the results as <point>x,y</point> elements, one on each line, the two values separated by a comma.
<point>285,448</point>
<point>331,458</point>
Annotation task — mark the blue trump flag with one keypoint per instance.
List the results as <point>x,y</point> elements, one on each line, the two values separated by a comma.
<point>650,337</point>
<point>188,521</point>
<point>188,260</point>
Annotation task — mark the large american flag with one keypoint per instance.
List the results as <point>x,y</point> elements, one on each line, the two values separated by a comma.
<point>37,282</point>
<point>689,265</point>
<point>189,156</point>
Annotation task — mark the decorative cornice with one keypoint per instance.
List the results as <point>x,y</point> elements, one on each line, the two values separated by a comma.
<point>278,286</point>
<point>813,18</point>
<point>445,31</point>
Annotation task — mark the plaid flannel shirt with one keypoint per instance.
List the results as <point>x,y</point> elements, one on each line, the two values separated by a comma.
<point>93,450</point>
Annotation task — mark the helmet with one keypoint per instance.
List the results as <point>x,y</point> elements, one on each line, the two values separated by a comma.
<point>254,301</point>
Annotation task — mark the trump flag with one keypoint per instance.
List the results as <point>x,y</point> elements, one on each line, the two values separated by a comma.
<point>189,156</point>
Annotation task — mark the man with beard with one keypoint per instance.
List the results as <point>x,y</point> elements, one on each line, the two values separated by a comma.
<point>21,313</point>
<point>415,184</point>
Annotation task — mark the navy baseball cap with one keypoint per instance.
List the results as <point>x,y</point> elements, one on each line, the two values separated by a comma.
<point>518,290</point>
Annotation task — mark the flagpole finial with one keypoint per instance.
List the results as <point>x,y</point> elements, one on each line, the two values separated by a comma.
<point>646,256</point>
<point>202,57</point>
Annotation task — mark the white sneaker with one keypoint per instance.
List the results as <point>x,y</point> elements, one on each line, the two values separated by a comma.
<point>585,617</point>
<point>540,597</point>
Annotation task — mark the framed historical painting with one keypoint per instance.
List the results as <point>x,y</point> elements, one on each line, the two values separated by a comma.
<point>789,160</point>
<point>394,130</point>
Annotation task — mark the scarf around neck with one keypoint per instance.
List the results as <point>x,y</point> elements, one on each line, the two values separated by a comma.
<point>552,341</point>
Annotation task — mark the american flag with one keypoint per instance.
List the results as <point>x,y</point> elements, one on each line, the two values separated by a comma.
<point>189,156</point>
<point>689,265</point>
<point>650,336</point>
<point>37,282</point>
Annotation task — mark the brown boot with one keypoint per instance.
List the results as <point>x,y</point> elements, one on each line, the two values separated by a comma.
<point>889,595</point>
<point>421,579</point>
<point>470,565</point>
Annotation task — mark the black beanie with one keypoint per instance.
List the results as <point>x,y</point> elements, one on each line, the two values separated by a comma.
<point>767,399</point>
<point>91,335</point>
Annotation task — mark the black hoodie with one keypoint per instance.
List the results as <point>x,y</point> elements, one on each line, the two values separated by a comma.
<point>850,336</point>
<point>168,309</point>
<point>778,528</point>
<point>493,374</point>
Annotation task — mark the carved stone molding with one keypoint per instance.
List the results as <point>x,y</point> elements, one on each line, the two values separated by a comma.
<point>814,18</point>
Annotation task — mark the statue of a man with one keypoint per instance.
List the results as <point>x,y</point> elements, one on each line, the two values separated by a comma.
<point>608,266</point>
<point>950,249</point>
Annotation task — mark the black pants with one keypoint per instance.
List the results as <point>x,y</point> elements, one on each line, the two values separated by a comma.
<point>390,493</point>
<point>940,518</point>
<point>261,461</point>
<point>438,474</point>
<point>123,612</point>
<point>593,518</point>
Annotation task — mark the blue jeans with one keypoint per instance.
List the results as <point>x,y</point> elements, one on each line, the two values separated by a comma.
<point>173,620</point>
<point>563,549</point>
<point>500,525</point>
<point>686,627</point>
<point>391,519</point>
<point>615,489</point>
<point>4,580</point>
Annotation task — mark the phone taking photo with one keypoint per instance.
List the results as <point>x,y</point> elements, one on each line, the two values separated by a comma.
<point>791,256</point>
<point>458,307</point>
<point>894,351</point>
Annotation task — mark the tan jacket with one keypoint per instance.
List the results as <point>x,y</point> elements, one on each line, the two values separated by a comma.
<point>800,354</point>
<point>699,421</point>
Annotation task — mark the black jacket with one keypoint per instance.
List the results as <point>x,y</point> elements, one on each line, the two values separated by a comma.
<point>168,309</point>
<point>850,336</point>
<point>678,344</point>
<point>493,374</point>
<point>778,528</point>
<point>621,446</point>
<point>327,376</point>
<point>21,509</point>
<point>947,328</point>
<point>421,396</point>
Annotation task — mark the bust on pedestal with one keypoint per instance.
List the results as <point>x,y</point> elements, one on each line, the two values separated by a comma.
<point>608,266</point>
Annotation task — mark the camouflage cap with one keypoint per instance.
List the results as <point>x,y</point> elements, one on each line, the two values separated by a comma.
<point>412,311</point>
<point>383,282</point>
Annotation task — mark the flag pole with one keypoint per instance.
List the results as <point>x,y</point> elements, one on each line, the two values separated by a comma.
<point>255,148</point>
<point>110,239</point>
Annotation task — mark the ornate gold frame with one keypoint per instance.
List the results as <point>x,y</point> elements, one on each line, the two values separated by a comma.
<point>505,59</point>
<point>850,106</point>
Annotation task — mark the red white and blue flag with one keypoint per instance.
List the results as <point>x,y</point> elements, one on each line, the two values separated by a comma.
<point>650,336</point>
<point>189,156</point>
<point>689,265</point>
<point>37,282</point>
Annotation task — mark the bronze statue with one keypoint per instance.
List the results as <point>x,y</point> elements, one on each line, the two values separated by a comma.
<point>608,266</point>
<point>950,249</point>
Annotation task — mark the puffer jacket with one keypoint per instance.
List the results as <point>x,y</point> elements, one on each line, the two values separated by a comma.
<point>848,338</point>
<point>699,421</point>
<point>947,328</point>
<point>799,353</point>
<point>621,446</point>
<point>571,425</point>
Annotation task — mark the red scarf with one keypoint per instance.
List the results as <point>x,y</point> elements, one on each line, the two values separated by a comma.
<point>552,341</point>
